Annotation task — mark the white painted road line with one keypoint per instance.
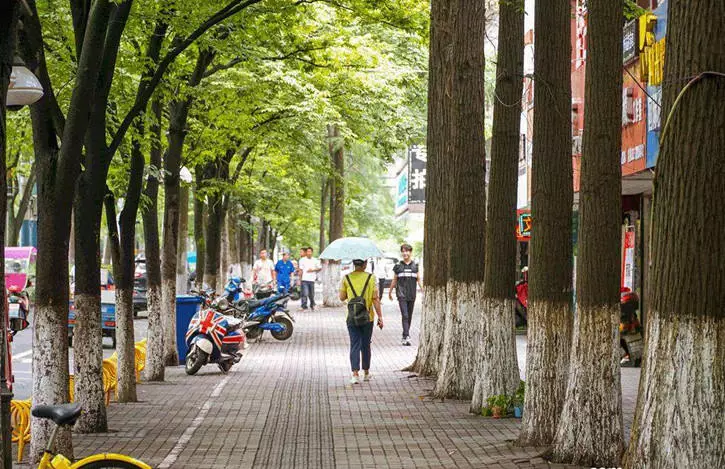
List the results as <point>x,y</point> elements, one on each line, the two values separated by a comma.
<point>171,458</point>
<point>22,354</point>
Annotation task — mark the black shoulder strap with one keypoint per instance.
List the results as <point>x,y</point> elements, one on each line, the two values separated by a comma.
<point>366,284</point>
<point>354,294</point>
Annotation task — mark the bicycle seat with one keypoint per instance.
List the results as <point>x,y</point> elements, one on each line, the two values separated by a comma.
<point>62,414</point>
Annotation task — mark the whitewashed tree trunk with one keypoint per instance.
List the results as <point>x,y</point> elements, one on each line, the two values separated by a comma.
<point>498,369</point>
<point>432,325</point>
<point>50,376</point>
<point>88,363</point>
<point>126,389</point>
<point>246,271</point>
<point>584,437</point>
<point>547,367</point>
<point>684,427</point>
<point>458,362</point>
<point>154,369</point>
<point>168,321</point>
<point>331,283</point>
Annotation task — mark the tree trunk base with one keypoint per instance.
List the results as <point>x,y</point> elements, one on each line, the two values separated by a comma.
<point>126,374</point>
<point>88,364</point>
<point>498,367</point>
<point>427,361</point>
<point>679,417</point>
<point>168,319</point>
<point>457,375</point>
<point>547,368</point>
<point>154,369</point>
<point>50,376</point>
<point>331,284</point>
<point>591,428</point>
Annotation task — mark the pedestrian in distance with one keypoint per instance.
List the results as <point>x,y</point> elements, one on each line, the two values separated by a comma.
<point>360,290</point>
<point>284,270</point>
<point>405,283</point>
<point>263,270</point>
<point>308,266</point>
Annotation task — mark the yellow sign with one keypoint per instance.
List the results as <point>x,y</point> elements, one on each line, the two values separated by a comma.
<point>652,56</point>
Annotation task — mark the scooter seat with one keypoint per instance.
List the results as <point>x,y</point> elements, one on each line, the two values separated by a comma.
<point>253,303</point>
<point>62,414</point>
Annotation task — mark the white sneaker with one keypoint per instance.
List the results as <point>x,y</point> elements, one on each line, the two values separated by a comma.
<point>355,380</point>
<point>403,342</point>
<point>367,377</point>
<point>406,341</point>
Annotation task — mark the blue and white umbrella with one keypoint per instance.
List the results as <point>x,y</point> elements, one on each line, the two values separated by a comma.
<point>350,249</point>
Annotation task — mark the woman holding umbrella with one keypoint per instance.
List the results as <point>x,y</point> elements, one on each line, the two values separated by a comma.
<point>361,286</point>
<point>359,289</point>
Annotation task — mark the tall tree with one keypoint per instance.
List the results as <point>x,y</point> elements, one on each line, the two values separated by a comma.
<point>199,225</point>
<point>16,217</point>
<point>498,371</point>
<point>678,418</point>
<point>437,220</point>
<point>330,268</point>
<point>590,427</point>
<point>466,199</point>
<point>550,277</point>
<point>154,369</point>
<point>8,25</point>
<point>182,273</point>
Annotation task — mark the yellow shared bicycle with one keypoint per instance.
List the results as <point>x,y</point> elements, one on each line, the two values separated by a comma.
<point>67,414</point>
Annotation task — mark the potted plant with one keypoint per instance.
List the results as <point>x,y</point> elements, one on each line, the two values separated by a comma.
<point>499,405</point>
<point>518,400</point>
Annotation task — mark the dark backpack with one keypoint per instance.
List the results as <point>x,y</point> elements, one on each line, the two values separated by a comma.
<point>357,309</point>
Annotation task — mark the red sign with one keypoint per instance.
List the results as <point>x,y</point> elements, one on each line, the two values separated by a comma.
<point>523,225</point>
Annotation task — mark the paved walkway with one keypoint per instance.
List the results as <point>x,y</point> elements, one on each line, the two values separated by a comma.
<point>289,405</point>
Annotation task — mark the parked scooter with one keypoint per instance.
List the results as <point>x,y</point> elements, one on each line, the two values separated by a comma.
<point>235,291</point>
<point>263,290</point>
<point>213,337</point>
<point>18,308</point>
<point>522,299</point>
<point>630,333</point>
<point>270,314</point>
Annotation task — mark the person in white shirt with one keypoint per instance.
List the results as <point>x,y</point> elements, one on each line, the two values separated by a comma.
<point>263,270</point>
<point>308,266</point>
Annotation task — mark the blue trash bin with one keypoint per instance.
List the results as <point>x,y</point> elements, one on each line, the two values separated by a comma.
<point>186,308</point>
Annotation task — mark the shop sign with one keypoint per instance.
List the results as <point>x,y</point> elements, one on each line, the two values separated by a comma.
<point>628,260</point>
<point>401,193</point>
<point>523,227</point>
<point>630,41</point>
<point>417,160</point>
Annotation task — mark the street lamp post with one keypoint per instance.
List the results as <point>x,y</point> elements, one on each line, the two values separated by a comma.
<point>24,89</point>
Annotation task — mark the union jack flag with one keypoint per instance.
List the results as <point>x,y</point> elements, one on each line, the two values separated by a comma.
<point>208,322</point>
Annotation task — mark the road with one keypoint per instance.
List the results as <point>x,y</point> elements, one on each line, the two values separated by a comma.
<point>22,359</point>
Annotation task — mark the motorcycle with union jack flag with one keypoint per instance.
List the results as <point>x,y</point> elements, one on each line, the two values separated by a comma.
<point>213,337</point>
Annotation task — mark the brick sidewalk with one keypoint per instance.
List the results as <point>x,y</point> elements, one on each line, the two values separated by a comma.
<point>289,405</point>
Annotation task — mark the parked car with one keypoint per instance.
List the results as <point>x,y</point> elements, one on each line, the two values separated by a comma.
<point>108,317</point>
<point>140,286</point>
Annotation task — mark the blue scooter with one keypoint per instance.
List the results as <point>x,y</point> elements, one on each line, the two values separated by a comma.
<point>233,291</point>
<point>213,337</point>
<point>270,314</point>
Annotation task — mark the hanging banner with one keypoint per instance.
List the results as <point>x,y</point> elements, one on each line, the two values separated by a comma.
<point>401,193</point>
<point>523,225</point>
<point>417,161</point>
<point>628,259</point>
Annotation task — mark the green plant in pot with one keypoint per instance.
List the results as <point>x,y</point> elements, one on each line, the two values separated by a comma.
<point>499,405</point>
<point>518,400</point>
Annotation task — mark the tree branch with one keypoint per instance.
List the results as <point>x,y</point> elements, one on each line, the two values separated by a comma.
<point>144,93</point>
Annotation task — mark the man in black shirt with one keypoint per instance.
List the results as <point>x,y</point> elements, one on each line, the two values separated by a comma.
<point>405,283</point>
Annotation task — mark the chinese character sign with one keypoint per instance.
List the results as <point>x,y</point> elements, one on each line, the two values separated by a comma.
<point>401,198</point>
<point>417,157</point>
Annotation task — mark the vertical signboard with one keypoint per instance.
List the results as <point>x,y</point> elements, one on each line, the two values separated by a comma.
<point>417,159</point>
<point>628,259</point>
<point>401,191</point>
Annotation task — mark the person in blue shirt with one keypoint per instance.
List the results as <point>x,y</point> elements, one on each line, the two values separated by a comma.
<point>284,269</point>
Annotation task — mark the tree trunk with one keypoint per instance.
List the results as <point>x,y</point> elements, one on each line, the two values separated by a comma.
<point>550,277</point>
<point>50,318</point>
<point>213,240</point>
<point>331,279</point>
<point>678,419</point>
<point>437,232</point>
<point>154,369</point>
<point>245,247</point>
<point>591,427</point>
<point>498,370</point>
<point>323,210</point>
<point>199,227</point>
<point>126,390</point>
<point>17,218</point>
<point>182,273</point>
<point>467,202</point>
<point>233,236</point>
<point>9,11</point>
<point>224,251</point>
<point>87,333</point>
